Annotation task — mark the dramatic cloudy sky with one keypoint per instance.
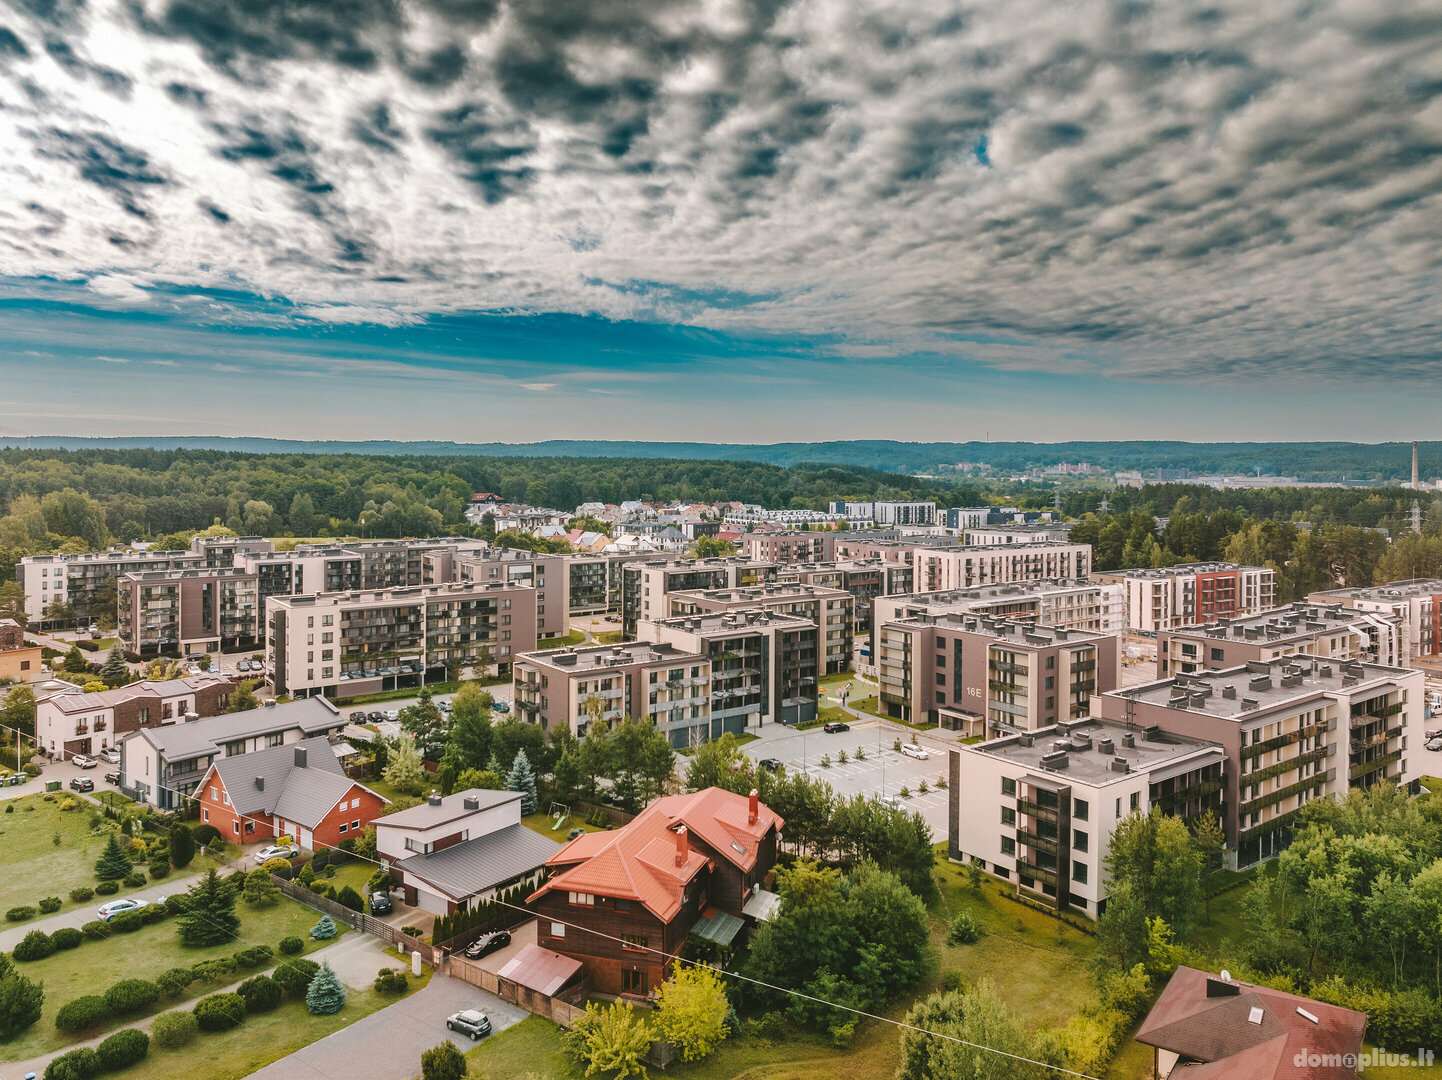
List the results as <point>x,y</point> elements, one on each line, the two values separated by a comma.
<point>750,221</point>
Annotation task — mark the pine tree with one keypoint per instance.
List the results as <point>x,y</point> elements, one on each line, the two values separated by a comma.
<point>493,764</point>
<point>114,864</point>
<point>521,778</point>
<point>210,917</point>
<point>114,672</point>
<point>326,995</point>
<point>323,930</point>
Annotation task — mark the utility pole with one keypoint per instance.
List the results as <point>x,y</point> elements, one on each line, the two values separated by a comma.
<point>1105,507</point>
<point>1416,516</point>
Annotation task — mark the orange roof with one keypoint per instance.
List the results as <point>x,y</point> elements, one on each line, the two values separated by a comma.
<point>719,817</point>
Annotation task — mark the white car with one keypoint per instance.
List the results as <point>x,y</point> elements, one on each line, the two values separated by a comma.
<point>111,755</point>
<point>119,907</point>
<point>891,801</point>
<point>274,851</point>
<point>914,751</point>
<point>83,761</point>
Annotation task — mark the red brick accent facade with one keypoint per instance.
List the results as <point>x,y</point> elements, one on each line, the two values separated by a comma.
<point>216,809</point>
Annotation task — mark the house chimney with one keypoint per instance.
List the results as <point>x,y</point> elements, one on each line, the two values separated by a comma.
<point>681,846</point>
<point>753,812</point>
<point>434,799</point>
<point>260,783</point>
<point>300,757</point>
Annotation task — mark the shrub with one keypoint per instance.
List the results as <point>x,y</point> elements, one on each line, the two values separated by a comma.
<point>174,1029</point>
<point>130,996</point>
<point>323,930</point>
<point>278,866</point>
<point>222,967</point>
<point>35,945</point>
<point>294,976</point>
<point>123,1049</point>
<point>964,930</point>
<point>107,888</point>
<point>292,946</point>
<point>391,981</point>
<point>79,1064</point>
<point>260,994</point>
<point>20,914</point>
<point>82,1014</point>
<point>172,983</point>
<point>96,929</point>
<point>50,905</point>
<point>205,834</point>
<point>82,894</point>
<point>443,1062</point>
<point>411,931</point>
<point>159,867</point>
<point>351,899</point>
<point>255,956</point>
<point>219,1012</point>
<point>127,922</point>
<point>153,913</point>
<point>135,881</point>
<point>67,937</point>
<point>175,904</point>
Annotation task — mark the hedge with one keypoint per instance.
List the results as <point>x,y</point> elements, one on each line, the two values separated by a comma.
<point>79,1064</point>
<point>391,981</point>
<point>35,945</point>
<point>260,993</point>
<point>174,1029</point>
<point>292,946</point>
<point>67,937</point>
<point>49,905</point>
<point>107,888</point>
<point>82,1014</point>
<point>219,1012</point>
<point>123,1049</point>
<point>172,983</point>
<point>127,922</point>
<point>205,834</point>
<point>130,996</point>
<point>294,976</point>
<point>96,929</point>
<point>175,904</point>
<point>254,956</point>
<point>82,894</point>
<point>222,967</point>
<point>20,914</point>
<point>135,881</point>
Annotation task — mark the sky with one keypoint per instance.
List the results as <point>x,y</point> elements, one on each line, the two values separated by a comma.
<point>720,220</point>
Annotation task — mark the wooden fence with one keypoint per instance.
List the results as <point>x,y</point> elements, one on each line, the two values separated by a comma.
<point>358,920</point>
<point>562,1008</point>
<point>614,816</point>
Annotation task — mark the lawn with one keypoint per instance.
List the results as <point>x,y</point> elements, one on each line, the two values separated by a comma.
<point>610,637</point>
<point>574,637</point>
<point>542,823</point>
<point>95,965</point>
<point>354,874</point>
<point>113,798</point>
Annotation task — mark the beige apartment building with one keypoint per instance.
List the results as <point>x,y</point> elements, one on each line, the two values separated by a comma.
<point>1414,605</point>
<point>943,569</point>
<point>646,585</point>
<point>362,642</point>
<point>88,582</point>
<point>864,579</point>
<point>985,676</point>
<point>191,611</point>
<point>547,574</point>
<point>1294,729</point>
<point>996,535</point>
<point>830,610</point>
<point>1329,631</point>
<point>1086,605</point>
<point>789,547</point>
<point>1192,594</point>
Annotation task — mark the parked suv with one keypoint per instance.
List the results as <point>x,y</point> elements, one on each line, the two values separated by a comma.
<point>471,1022</point>
<point>82,783</point>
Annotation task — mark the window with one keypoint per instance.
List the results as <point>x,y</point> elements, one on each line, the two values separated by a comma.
<point>1079,872</point>
<point>623,905</point>
<point>342,826</point>
<point>1218,655</point>
<point>941,678</point>
<point>1008,816</point>
<point>275,738</point>
<point>582,899</point>
<point>1051,682</point>
<point>235,827</point>
<point>205,815</point>
<point>212,795</point>
<point>355,826</point>
<point>941,660</point>
<point>558,929</point>
<point>225,797</point>
<point>1079,809</point>
<point>1008,787</point>
<point>326,639</point>
<point>1050,663</point>
<point>1008,846</point>
<point>635,941</point>
<point>1078,840</point>
<point>355,804</point>
<point>633,982</point>
<point>1136,799</point>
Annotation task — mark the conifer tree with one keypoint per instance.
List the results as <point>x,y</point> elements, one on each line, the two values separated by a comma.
<point>325,996</point>
<point>114,672</point>
<point>210,917</point>
<point>114,864</point>
<point>523,779</point>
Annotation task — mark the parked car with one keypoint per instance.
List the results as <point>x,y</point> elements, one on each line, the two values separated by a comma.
<point>193,669</point>
<point>443,705</point>
<point>375,716</point>
<point>770,764</point>
<point>1432,734</point>
<point>488,943</point>
<point>357,717</point>
<point>891,801</point>
<point>93,630</point>
<point>836,725</point>
<point>83,761</point>
<point>381,903</point>
<point>471,1022</point>
<point>273,851</point>
<point>392,714</point>
<point>82,783</point>
<point>117,907</point>
<point>242,665</point>
<point>501,706</point>
<point>111,754</point>
<point>1435,744</point>
<point>112,778</point>
<point>914,751</point>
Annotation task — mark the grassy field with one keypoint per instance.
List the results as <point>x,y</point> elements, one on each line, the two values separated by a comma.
<point>573,637</point>
<point>95,965</point>
<point>610,637</point>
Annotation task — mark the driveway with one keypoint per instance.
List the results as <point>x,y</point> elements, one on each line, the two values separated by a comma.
<point>388,1043</point>
<point>521,936</point>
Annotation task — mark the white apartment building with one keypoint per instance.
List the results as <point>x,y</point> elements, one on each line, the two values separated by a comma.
<point>1069,604</point>
<point>944,569</point>
<point>997,535</point>
<point>1415,606</point>
<point>887,512</point>
<point>1191,594</point>
<point>1323,630</point>
<point>87,582</point>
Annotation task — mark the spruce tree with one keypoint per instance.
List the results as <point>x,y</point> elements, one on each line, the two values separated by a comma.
<point>521,778</point>
<point>114,864</point>
<point>325,996</point>
<point>182,845</point>
<point>210,917</point>
<point>114,672</point>
<point>323,930</point>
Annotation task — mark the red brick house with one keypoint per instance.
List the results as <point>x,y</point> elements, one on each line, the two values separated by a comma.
<point>298,790</point>
<point>624,902</point>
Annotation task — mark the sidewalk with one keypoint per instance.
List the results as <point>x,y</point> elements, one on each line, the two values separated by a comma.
<point>79,916</point>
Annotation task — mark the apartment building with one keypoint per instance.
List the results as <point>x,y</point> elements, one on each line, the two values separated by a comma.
<point>888,545</point>
<point>197,610</point>
<point>764,665</point>
<point>1414,605</point>
<point>595,580</point>
<point>564,687</point>
<point>1191,594</point>
<point>958,519</point>
<point>986,676</point>
<point>789,547</point>
<point>646,585</point>
<point>864,579</point>
<point>888,512</point>
<point>1048,532</point>
<point>547,574</point>
<point>1324,630</point>
<point>162,764</point>
<point>1293,728</point>
<point>937,570</point>
<point>73,722</point>
<point>18,662</point>
<point>349,643</point>
<point>830,610</point>
<point>1039,808</point>
<point>228,550</point>
<point>87,583</point>
<point>1070,604</point>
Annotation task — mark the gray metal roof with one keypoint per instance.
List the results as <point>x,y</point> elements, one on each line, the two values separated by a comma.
<point>483,862</point>
<point>451,808</point>
<point>194,738</point>
<point>304,795</point>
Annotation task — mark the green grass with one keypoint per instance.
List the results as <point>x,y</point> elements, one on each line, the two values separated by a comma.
<point>542,823</point>
<point>610,637</point>
<point>27,837</point>
<point>573,637</point>
<point>398,695</point>
<point>113,798</point>
<point>95,965</point>
<point>354,874</point>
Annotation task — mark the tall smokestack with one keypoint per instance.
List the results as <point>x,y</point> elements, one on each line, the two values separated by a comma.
<point>1414,466</point>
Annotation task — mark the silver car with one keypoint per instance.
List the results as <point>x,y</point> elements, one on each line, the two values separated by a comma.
<point>471,1022</point>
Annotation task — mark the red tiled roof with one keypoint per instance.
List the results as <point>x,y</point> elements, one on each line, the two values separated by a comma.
<point>1217,1032</point>
<point>719,817</point>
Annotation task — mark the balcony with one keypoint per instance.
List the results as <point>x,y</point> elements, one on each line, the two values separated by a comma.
<point>1037,842</point>
<point>1367,767</point>
<point>1040,874</point>
<point>1036,810</point>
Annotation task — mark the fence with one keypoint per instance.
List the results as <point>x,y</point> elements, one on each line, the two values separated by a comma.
<point>562,1008</point>
<point>610,813</point>
<point>358,920</point>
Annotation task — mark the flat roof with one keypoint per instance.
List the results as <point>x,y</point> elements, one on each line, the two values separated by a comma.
<point>1085,761</point>
<point>734,622</point>
<point>1002,590</point>
<point>1393,590</point>
<point>605,657</point>
<point>1181,570</point>
<point>760,594</point>
<point>1015,633</point>
<point>1299,620</point>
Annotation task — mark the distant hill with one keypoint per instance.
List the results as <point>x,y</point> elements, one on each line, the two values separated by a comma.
<point>1307,461</point>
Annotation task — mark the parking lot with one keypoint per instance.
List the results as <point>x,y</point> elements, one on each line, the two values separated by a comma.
<point>883,772</point>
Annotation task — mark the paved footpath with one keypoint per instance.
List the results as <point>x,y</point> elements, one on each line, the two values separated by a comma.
<point>86,912</point>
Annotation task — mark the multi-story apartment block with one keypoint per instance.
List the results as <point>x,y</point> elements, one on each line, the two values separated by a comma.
<point>349,643</point>
<point>864,579</point>
<point>1294,729</point>
<point>830,610</point>
<point>198,610</point>
<point>228,550</point>
<point>789,547</point>
<point>88,583</point>
<point>1041,533</point>
<point>547,574</point>
<point>77,723</point>
<point>572,686</point>
<point>1415,606</point>
<point>1072,605</point>
<point>1040,807</point>
<point>1191,594</point>
<point>940,569</point>
<point>596,579</point>
<point>888,512</point>
<point>1323,630</point>
<point>646,585</point>
<point>888,545</point>
<point>958,519</point>
<point>764,665</point>
<point>984,676</point>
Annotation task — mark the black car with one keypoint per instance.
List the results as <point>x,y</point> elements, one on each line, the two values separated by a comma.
<point>381,903</point>
<point>82,783</point>
<point>357,717</point>
<point>771,764</point>
<point>836,725</point>
<point>112,778</point>
<point>488,943</point>
<point>374,716</point>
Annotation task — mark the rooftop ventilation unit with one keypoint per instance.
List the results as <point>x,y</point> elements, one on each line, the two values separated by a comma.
<point>1106,746</point>
<point>1129,739</point>
<point>1121,765</point>
<point>1056,760</point>
<point>1229,691</point>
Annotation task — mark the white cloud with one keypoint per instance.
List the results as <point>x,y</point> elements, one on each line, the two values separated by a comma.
<point>116,288</point>
<point>164,363</point>
<point>539,387</point>
<point>113,359</point>
<point>353,313</point>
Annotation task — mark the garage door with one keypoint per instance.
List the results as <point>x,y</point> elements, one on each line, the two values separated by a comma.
<point>429,901</point>
<point>306,839</point>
